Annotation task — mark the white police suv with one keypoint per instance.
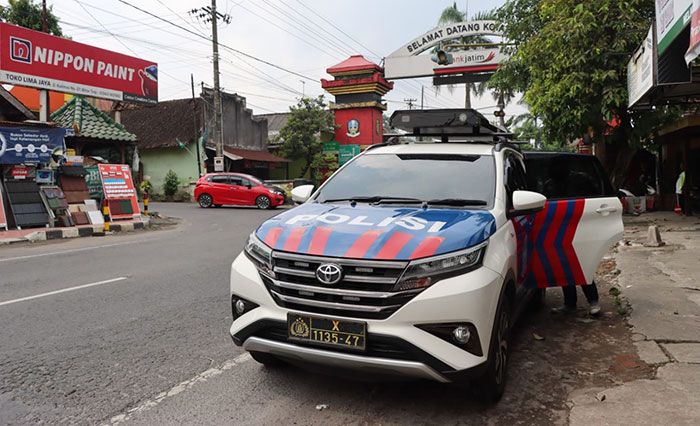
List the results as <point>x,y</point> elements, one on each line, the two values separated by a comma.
<point>416,259</point>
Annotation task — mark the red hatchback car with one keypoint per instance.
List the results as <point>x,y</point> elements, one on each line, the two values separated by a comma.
<point>217,189</point>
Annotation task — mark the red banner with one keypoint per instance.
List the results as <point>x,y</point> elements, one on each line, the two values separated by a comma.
<point>36,59</point>
<point>694,47</point>
<point>3,218</point>
<point>117,185</point>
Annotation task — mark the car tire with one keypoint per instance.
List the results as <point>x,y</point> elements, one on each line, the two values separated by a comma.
<point>266,359</point>
<point>492,384</point>
<point>205,201</point>
<point>263,202</point>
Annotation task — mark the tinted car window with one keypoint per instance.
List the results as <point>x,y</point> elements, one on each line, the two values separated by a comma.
<point>421,176</point>
<point>514,177</point>
<point>219,179</point>
<point>235,180</point>
<point>244,182</point>
<point>566,176</point>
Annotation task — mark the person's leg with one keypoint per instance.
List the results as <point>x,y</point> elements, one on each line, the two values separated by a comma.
<point>569,300</point>
<point>591,293</point>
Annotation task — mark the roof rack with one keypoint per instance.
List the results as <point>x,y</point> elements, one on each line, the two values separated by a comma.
<point>448,123</point>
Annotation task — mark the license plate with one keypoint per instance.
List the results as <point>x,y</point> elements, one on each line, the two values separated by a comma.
<point>327,331</point>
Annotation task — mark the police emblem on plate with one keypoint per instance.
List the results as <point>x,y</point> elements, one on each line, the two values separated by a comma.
<point>299,328</point>
<point>353,128</point>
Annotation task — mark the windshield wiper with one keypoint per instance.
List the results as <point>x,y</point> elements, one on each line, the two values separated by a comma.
<point>375,199</point>
<point>458,202</point>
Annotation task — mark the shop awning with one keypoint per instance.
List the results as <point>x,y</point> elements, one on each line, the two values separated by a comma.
<point>235,154</point>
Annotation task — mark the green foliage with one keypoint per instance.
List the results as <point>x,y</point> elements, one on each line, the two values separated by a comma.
<point>301,135</point>
<point>146,187</point>
<point>571,61</point>
<point>26,13</point>
<point>451,15</point>
<point>171,184</point>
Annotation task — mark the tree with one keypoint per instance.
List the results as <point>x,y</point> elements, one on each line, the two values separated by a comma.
<point>570,60</point>
<point>453,15</point>
<point>171,184</point>
<point>301,135</point>
<point>27,14</point>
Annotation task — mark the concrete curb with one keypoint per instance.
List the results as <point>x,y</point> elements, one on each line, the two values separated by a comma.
<point>87,231</point>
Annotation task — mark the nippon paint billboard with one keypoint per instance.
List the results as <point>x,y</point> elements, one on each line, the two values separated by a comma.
<point>40,60</point>
<point>672,16</point>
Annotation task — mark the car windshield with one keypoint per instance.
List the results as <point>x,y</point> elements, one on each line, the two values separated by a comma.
<point>455,180</point>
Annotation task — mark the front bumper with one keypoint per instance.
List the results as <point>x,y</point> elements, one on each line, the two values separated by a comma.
<point>395,345</point>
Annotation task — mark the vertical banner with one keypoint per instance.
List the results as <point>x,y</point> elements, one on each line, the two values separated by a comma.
<point>3,218</point>
<point>118,188</point>
<point>694,49</point>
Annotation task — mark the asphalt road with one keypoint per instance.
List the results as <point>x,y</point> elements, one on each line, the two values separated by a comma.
<point>145,341</point>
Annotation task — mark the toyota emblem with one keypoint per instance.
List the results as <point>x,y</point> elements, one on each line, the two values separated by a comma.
<point>329,273</point>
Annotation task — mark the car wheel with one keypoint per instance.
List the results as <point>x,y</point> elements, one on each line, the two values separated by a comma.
<point>263,202</point>
<point>266,359</point>
<point>205,201</point>
<point>492,384</point>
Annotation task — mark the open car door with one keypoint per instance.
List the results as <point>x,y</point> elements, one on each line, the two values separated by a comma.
<point>580,222</point>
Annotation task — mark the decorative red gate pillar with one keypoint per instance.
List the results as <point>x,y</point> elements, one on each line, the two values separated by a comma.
<point>358,87</point>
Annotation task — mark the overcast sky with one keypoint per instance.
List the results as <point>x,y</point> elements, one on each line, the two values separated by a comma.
<point>305,36</point>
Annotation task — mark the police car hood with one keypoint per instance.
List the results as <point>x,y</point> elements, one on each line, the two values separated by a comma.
<point>375,232</point>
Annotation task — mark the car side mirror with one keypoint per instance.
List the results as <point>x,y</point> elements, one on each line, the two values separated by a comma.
<point>527,202</point>
<point>249,186</point>
<point>302,193</point>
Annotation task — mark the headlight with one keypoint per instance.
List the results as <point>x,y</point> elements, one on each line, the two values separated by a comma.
<point>272,191</point>
<point>425,272</point>
<point>259,253</point>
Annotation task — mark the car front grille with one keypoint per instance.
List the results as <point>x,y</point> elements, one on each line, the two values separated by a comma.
<point>366,290</point>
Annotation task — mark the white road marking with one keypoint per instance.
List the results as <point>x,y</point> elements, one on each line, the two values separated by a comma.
<point>29,256</point>
<point>179,388</point>
<point>64,290</point>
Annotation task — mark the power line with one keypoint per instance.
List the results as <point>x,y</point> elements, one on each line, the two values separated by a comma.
<point>220,44</point>
<point>339,29</point>
<point>181,18</point>
<point>289,32</point>
<point>306,29</point>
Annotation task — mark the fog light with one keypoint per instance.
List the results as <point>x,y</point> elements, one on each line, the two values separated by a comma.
<point>461,334</point>
<point>240,308</point>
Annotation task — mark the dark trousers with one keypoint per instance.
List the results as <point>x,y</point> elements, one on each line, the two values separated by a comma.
<point>590,291</point>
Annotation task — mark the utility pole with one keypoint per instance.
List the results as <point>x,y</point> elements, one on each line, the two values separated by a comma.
<point>410,102</point>
<point>44,107</point>
<point>196,127</point>
<point>422,89</point>
<point>209,14</point>
<point>303,89</point>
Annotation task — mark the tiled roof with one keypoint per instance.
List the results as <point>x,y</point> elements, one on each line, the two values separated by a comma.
<point>275,122</point>
<point>236,154</point>
<point>353,63</point>
<point>175,121</point>
<point>89,122</point>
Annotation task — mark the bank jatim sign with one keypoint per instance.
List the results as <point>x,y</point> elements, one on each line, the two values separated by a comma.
<point>36,59</point>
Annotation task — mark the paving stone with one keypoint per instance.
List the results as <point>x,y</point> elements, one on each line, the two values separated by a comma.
<point>650,352</point>
<point>684,352</point>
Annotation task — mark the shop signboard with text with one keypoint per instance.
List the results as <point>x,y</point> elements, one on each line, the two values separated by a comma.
<point>27,145</point>
<point>118,187</point>
<point>35,59</point>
